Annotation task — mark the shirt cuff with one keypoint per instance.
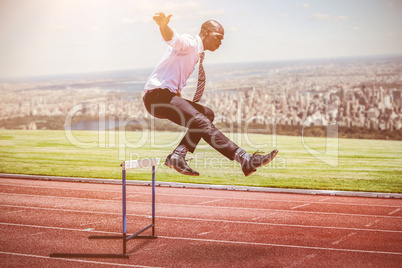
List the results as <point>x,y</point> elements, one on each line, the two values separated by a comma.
<point>173,41</point>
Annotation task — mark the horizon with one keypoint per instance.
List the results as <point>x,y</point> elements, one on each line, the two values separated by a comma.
<point>148,70</point>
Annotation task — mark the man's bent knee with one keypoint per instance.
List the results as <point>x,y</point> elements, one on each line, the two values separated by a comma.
<point>210,114</point>
<point>201,121</point>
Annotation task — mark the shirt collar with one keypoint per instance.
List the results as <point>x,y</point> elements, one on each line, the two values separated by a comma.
<point>200,45</point>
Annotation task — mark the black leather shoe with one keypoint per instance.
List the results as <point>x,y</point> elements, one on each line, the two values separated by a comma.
<point>180,165</point>
<point>249,166</point>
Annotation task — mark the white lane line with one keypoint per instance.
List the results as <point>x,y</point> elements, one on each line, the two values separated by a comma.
<point>299,263</point>
<point>203,206</point>
<point>100,221</point>
<point>372,223</point>
<point>325,199</point>
<point>278,245</point>
<point>60,206</point>
<point>63,188</point>
<point>303,205</point>
<point>394,211</point>
<point>56,196</point>
<point>57,228</point>
<point>224,221</point>
<point>281,224</point>
<point>70,260</point>
<point>344,238</point>
<point>204,233</point>
<point>15,211</point>
<point>210,196</point>
<point>211,201</point>
<point>235,242</point>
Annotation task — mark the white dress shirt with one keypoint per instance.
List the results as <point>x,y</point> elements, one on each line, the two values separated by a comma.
<point>177,63</point>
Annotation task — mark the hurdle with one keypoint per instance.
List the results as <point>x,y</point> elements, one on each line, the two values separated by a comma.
<point>143,163</point>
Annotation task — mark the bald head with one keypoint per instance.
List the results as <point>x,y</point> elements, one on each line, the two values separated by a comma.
<point>211,35</point>
<point>211,26</point>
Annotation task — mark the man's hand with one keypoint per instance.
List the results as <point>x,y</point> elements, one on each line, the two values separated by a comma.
<point>161,19</point>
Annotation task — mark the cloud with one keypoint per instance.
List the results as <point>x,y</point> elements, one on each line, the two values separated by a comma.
<point>393,4</point>
<point>233,29</point>
<point>101,30</point>
<point>282,16</point>
<point>80,43</point>
<point>170,7</point>
<point>327,17</point>
<point>60,29</point>
<point>341,18</point>
<point>210,13</point>
<point>136,20</point>
<point>306,5</point>
<point>355,28</point>
<point>143,12</point>
<point>181,7</point>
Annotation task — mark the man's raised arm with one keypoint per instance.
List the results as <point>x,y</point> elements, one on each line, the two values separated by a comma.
<point>162,21</point>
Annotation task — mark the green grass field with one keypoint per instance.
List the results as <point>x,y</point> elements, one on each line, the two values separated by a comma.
<point>347,164</point>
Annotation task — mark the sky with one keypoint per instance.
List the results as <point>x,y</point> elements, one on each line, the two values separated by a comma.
<point>47,37</point>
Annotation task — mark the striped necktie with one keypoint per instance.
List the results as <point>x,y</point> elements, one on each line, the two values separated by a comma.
<point>201,80</point>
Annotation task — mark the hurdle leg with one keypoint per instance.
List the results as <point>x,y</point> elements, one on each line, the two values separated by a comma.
<point>153,201</point>
<point>124,212</point>
<point>124,236</point>
<point>153,236</point>
<point>124,217</point>
<point>124,202</point>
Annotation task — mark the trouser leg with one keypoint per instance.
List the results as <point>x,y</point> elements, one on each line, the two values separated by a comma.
<point>165,104</point>
<point>194,135</point>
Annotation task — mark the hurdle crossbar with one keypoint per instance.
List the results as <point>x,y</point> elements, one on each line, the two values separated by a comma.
<point>143,163</point>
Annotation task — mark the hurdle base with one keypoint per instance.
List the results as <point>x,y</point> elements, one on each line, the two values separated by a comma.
<point>100,255</point>
<point>121,237</point>
<point>125,165</point>
<point>87,255</point>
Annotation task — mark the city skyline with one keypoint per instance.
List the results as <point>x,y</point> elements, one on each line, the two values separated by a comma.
<point>44,37</point>
<point>349,93</point>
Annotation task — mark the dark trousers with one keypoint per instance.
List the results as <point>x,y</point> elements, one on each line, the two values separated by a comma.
<point>163,103</point>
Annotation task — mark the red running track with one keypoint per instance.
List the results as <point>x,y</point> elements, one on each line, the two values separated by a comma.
<point>195,227</point>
